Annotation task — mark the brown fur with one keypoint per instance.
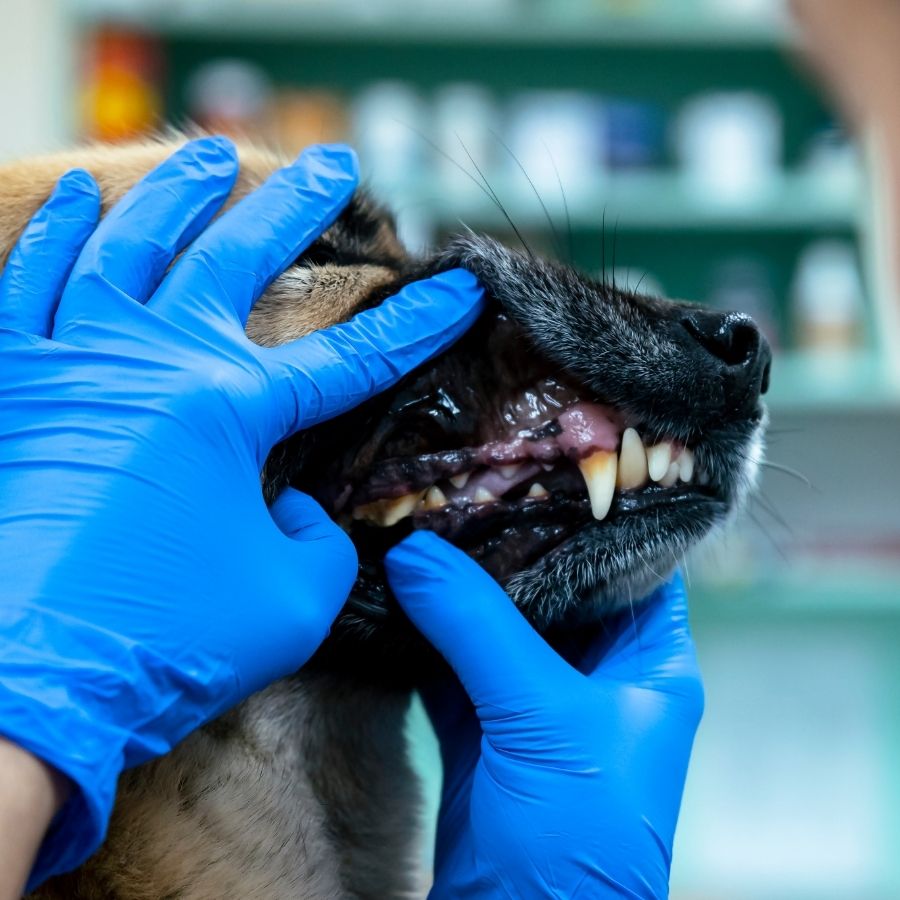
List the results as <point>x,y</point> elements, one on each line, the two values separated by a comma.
<point>304,790</point>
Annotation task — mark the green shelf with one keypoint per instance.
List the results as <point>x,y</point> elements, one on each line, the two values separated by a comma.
<point>640,201</point>
<point>875,592</point>
<point>402,22</point>
<point>848,382</point>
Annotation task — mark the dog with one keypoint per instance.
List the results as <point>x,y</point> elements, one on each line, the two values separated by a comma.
<point>575,442</point>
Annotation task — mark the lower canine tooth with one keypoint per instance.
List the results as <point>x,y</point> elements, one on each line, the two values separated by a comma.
<point>459,481</point>
<point>686,464</point>
<point>671,475</point>
<point>537,490</point>
<point>483,495</point>
<point>632,462</point>
<point>434,498</point>
<point>599,471</point>
<point>658,460</point>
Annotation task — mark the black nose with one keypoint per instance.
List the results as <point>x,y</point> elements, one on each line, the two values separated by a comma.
<point>735,346</point>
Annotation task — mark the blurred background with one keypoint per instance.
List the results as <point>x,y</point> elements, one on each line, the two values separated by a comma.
<point>686,147</point>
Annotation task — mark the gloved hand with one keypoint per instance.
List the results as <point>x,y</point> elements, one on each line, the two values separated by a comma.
<point>565,780</point>
<point>146,586</point>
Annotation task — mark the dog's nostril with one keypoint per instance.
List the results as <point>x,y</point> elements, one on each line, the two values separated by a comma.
<point>732,338</point>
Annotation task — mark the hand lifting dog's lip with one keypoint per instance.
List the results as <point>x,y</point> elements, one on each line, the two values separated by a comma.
<point>576,442</point>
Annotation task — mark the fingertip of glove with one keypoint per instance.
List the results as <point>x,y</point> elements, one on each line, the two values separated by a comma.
<point>79,182</point>
<point>334,161</point>
<point>215,156</point>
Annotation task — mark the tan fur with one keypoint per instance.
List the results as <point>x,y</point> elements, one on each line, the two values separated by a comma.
<point>303,791</point>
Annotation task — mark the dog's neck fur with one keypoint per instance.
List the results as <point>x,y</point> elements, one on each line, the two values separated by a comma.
<point>302,791</point>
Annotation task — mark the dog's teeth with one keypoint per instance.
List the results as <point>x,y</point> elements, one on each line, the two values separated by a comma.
<point>703,478</point>
<point>547,467</point>
<point>459,481</point>
<point>632,462</point>
<point>388,512</point>
<point>671,475</point>
<point>483,495</point>
<point>537,491</point>
<point>599,471</point>
<point>434,498</point>
<point>658,459</point>
<point>686,464</point>
<point>509,472</point>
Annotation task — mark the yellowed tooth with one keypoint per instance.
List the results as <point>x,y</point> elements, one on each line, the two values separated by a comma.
<point>483,495</point>
<point>388,512</point>
<point>686,464</point>
<point>633,471</point>
<point>599,471</point>
<point>434,498</point>
<point>537,491</point>
<point>459,481</point>
<point>509,472</point>
<point>658,459</point>
<point>671,475</point>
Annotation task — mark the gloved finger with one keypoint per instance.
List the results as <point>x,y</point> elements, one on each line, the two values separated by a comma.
<point>236,258</point>
<point>650,646</point>
<point>322,552</point>
<point>331,371</point>
<point>153,222</point>
<point>308,571</point>
<point>505,666</point>
<point>40,263</point>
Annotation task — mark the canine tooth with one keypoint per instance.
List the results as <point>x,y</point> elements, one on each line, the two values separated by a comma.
<point>459,481</point>
<point>388,512</point>
<point>547,467</point>
<point>537,491</point>
<point>671,475</point>
<point>509,472</point>
<point>599,471</point>
<point>483,495</point>
<point>686,464</point>
<point>434,498</point>
<point>633,471</point>
<point>703,477</point>
<point>658,459</point>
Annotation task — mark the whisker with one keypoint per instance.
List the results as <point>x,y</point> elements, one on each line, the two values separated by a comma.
<point>496,200</point>
<point>534,190</point>
<point>788,470</point>
<point>484,187</point>
<point>565,202</point>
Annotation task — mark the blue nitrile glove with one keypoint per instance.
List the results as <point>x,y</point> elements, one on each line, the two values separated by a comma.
<point>565,780</point>
<point>145,585</point>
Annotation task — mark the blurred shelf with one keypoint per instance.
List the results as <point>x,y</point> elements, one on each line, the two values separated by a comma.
<point>837,382</point>
<point>655,201</point>
<point>875,591</point>
<point>467,22</point>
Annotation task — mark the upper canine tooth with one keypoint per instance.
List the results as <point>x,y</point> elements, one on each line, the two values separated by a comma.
<point>537,490</point>
<point>686,464</point>
<point>509,471</point>
<point>658,459</point>
<point>483,495</point>
<point>388,512</point>
<point>599,471</point>
<point>671,475</point>
<point>459,481</point>
<point>434,498</point>
<point>632,462</point>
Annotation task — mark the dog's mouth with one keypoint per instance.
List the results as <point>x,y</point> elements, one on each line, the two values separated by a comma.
<point>510,459</point>
<point>561,463</point>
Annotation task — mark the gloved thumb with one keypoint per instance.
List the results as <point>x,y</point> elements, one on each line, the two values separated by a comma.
<point>322,554</point>
<point>502,662</point>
